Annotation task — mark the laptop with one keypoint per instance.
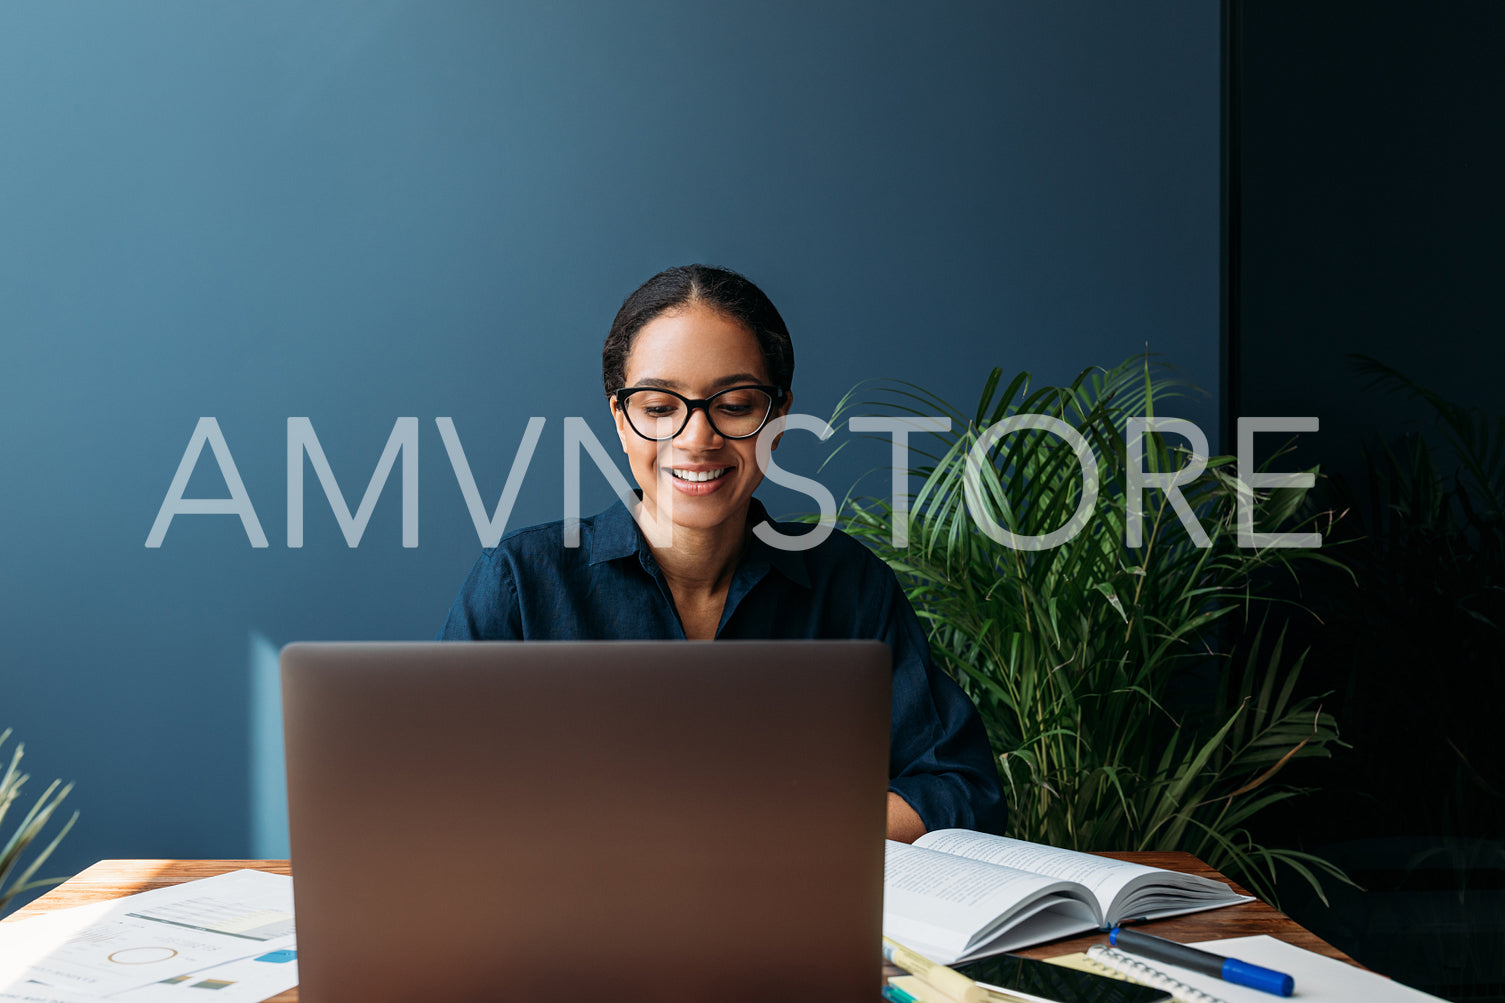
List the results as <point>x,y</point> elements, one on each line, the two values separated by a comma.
<point>607,820</point>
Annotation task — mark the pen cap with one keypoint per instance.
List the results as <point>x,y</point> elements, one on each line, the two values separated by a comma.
<point>1244,974</point>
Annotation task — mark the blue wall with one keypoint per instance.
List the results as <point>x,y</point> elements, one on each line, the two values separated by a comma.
<point>360,211</point>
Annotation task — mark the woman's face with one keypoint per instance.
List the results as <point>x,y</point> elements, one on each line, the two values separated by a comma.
<point>695,351</point>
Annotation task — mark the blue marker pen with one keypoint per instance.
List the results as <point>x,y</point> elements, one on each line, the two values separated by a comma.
<point>1228,969</point>
<point>896,995</point>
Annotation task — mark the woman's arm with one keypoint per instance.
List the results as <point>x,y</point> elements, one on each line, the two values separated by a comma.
<point>904,822</point>
<point>940,764</point>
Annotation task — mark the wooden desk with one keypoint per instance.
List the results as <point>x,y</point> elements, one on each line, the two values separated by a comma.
<point>114,878</point>
<point>1243,920</point>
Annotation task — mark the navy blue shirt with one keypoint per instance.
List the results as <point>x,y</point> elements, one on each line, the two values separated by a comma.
<point>531,587</point>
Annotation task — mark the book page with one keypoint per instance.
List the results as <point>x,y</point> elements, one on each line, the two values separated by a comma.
<point>1102,876</point>
<point>944,906</point>
<point>1124,890</point>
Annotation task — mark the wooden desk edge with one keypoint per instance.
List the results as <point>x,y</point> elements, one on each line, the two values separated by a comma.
<point>114,878</point>
<point>1246,919</point>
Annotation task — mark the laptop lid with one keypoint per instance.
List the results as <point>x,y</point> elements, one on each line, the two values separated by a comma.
<point>587,820</point>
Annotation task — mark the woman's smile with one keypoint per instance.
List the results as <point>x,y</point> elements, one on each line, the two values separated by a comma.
<point>697,480</point>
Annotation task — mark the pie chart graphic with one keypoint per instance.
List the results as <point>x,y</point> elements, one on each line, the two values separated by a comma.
<point>142,955</point>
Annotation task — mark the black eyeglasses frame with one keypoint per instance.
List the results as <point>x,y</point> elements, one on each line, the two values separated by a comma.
<point>775,396</point>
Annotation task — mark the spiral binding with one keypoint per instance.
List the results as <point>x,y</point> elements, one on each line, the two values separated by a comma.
<point>1109,960</point>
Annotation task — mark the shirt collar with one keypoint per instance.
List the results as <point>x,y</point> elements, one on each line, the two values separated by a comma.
<point>789,563</point>
<point>616,535</point>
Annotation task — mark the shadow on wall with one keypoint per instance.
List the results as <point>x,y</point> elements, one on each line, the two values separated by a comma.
<point>1410,653</point>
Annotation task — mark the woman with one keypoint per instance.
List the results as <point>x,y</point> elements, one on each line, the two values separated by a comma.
<point>698,360</point>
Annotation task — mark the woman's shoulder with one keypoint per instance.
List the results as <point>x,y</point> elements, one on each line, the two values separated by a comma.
<point>543,536</point>
<point>837,554</point>
<point>563,542</point>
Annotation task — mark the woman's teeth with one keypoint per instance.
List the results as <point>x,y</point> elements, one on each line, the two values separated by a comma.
<point>698,475</point>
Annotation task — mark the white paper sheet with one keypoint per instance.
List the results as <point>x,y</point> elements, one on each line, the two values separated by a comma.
<point>232,933</point>
<point>1319,979</point>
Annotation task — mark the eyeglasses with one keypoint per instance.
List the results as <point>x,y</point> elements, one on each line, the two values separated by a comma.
<point>734,413</point>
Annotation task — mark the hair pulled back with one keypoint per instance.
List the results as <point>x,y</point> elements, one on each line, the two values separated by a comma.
<point>719,289</point>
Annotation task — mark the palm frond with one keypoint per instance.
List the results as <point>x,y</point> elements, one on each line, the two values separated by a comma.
<point>1072,652</point>
<point>14,877</point>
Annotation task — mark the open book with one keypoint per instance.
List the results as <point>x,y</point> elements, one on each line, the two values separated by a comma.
<point>956,895</point>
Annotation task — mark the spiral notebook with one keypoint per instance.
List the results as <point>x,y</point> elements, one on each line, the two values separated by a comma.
<point>1319,979</point>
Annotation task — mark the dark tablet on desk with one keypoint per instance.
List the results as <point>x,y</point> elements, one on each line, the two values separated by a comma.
<point>587,820</point>
<point>1042,980</point>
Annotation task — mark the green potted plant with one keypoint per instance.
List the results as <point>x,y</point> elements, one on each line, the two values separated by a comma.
<point>14,878</point>
<point>1122,712</point>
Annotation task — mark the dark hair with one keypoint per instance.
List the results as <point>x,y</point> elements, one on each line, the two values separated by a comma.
<point>720,289</point>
